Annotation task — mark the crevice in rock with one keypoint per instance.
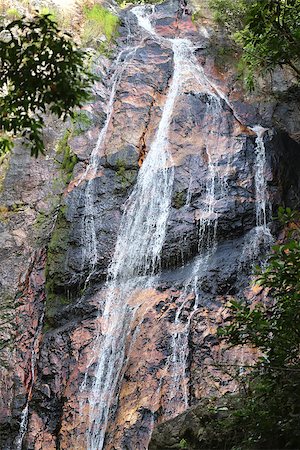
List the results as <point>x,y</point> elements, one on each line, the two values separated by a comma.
<point>142,148</point>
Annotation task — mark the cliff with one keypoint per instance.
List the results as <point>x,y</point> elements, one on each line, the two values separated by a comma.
<point>115,278</point>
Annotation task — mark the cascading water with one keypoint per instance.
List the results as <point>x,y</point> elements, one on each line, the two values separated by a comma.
<point>89,239</point>
<point>261,194</point>
<point>137,252</point>
<point>260,238</point>
<point>141,237</point>
<point>215,188</point>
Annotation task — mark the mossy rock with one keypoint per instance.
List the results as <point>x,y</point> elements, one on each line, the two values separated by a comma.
<point>179,199</point>
<point>57,293</point>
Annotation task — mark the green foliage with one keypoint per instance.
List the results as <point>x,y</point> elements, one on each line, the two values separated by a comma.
<point>267,31</point>
<point>41,71</point>
<point>68,157</point>
<point>56,293</point>
<point>179,200</point>
<point>12,13</point>
<point>197,15</point>
<point>229,13</point>
<point>270,414</point>
<point>81,122</point>
<point>183,444</point>
<point>99,21</point>
<point>51,13</point>
<point>274,326</point>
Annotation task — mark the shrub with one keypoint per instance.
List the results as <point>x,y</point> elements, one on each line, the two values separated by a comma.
<point>99,21</point>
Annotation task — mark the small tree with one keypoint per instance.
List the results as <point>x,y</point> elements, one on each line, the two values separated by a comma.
<point>270,417</point>
<point>268,31</point>
<point>41,71</point>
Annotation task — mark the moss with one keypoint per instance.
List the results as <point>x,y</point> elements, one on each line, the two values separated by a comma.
<point>4,166</point>
<point>57,294</point>
<point>6,211</point>
<point>99,21</point>
<point>105,49</point>
<point>197,16</point>
<point>13,14</point>
<point>121,170</point>
<point>68,159</point>
<point>126,176</point>
<point>179,200</point>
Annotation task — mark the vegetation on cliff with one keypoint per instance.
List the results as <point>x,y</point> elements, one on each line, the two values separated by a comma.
<point>42,71</point>
<point>266,413</point>
<point>100,28</point>
<point>270,414</point>
<point>267,31</point>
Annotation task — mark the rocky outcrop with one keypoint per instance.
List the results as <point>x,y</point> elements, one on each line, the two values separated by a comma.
<point>173,358</point>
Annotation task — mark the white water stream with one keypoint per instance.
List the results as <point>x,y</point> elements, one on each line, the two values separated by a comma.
<point>261,194</point>
<point>141,237</point>
<point>260,238</point>
<point>89,238</point>
<point>137,254</point>
<point>190,301</point>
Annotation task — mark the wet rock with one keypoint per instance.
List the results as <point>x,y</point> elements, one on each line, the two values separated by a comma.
<point>172,353</point>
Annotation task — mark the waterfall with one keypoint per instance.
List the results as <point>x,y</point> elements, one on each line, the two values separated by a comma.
<point>189,301</point>
<point>260,238</point>
<point>137,252</point>
<point>261,193</point>
<point>89,238</point>
<point>141,237</point>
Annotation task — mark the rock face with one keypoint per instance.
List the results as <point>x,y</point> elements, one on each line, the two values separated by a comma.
<point>56,287</point>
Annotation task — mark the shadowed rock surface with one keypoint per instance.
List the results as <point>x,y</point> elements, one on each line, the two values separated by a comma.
<point>44,262</point>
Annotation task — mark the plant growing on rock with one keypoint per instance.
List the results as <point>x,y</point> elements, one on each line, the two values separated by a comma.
<point>68,159</point>
<point>41,71</point>
<point>270,413</point>
<point>266,30</point>
<point>99,22</point>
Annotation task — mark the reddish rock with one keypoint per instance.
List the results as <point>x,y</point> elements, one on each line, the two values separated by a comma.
<point>201,134</point>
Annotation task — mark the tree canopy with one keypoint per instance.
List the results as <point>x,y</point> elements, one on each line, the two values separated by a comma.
<point>41,71</point>
<point>268,31</point>
<point>269,415</point>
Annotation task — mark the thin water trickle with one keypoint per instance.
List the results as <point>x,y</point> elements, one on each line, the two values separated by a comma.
<point>261,194</point>
<point>25,413</point>
<point>260,238</point>
<point>189,301</point>
<point>88,233</point>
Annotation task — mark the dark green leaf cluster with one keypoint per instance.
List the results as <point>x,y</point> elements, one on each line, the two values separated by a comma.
<point>41,71</point>
<point>268,31</point>
<point>274,326</point>
<point>270,416</point>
